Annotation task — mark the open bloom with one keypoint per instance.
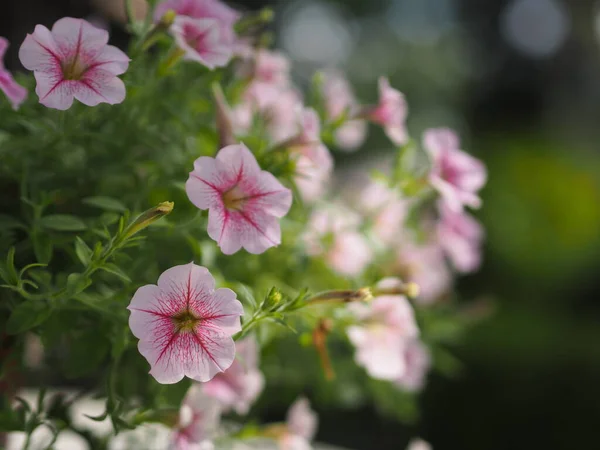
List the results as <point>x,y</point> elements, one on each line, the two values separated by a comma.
<point>333,234</point>
<point>339,101</point>
<point>239,386</point>
<point>460,235</point>
<point>386,208</point>
<point>74,61</point>
<point>383,328</point>
<point>301,426</point>
<point>199,418</point>
<point>417,362</point>
<point>245,203</point>
<point>15,93</point>
<point>184,325</point>
<point>391,112</point>
<point>456,175</point>
<point>199,9</point>
<point>201,41</point>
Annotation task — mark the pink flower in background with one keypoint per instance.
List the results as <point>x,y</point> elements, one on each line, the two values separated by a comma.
<point>73,61</point>
<point>333,234</point>
<point>391,112</point>
<point>418,444</point>
<point>201,41</point>
<point>384,326</point>
<point>425,265</point>
<point>339,100</point>
<point>239,386</point>
<point>199,419</point>
<point>460,235</point>
<point>301,426</point>
<point>386,208</point>
<point>184,325</point>
<point>245,203</point>
<point>271,67</point>
<point>456,175</point>
<point>15,93</point>
<point>417,361</point>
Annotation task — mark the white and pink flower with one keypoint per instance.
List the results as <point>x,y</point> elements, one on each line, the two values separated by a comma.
<point>245,203</point>
<point>199,419</point>
<point>418,444</point>
<point>390,112</point>
<point>301,426</point>
<point>184,325</point>
<point>15,93</point>
<point>417,362</point>
<point>74,61</point>
<point>461,236</point>
<point>384,327</point>
<point>239,386</point>
<point>386,209</point>
<point>456,175</point>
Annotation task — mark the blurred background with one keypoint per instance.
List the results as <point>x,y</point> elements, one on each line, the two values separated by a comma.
<point>520,81</point>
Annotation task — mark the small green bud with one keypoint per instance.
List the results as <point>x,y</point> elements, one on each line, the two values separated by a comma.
<point>273,299</point>
<point>147,218</point>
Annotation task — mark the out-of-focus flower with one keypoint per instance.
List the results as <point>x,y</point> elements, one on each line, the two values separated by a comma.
<point>74,61</point>
<point>460,235</point>
<point>239,386</point>
<point>424,264</point>
<point>386,208</point>
<point>270,67</point>
<point>418,444</point>
<point>301,426</point>
<point>201,41</point>
<point>245,203</point>
<point>390,112</point>
<point>456,175</point>
<point>15,93</point>
<point>384,326</point>
<point>199,418</point>
<point>184,325</point>
<point>417,362</point>
<point>333,233</point>
<point>339,100</point>
<point>147,435</point>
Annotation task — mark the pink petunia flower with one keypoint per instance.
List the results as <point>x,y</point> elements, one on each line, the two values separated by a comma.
<point>199,9</point>
<point>418,444</point>
<point>74,61</point>
<point>417,362</point>
<point>15,93</point>
<point>339,99</point>
<point>301,426</point>
<point>456,175</point>
<point>391,112</point>
<point>199,419</point>
<point>239,386</point>
<point>384,326</point>
<point>460,235</point>
<point>386,208</point>
<point>201,41</point>
<point>271,67</point>
<point>245,203</point>
<point>333,234</point>
<point>184,325</point>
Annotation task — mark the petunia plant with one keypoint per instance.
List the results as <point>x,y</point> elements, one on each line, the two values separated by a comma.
<point>179,245</point>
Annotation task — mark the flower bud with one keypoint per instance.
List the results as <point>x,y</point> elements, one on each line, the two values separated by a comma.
<point>273,299</point>
<point>147,218</point>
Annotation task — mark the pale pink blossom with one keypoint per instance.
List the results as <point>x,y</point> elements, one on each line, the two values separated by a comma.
<point>199,419</point>
<point>245,203</point>
<point>455,174</point>
<point>461,236</point>
<point>384,326</point>
<point>239,386</point>
<point>386,208</point>
<point>417,361</point>
<point>184,325</point>
<point>201,41</point>
<point>271,67</point>
<point>390,112</point>
<point>301,426</point>
<point>418,444</point>
<point>425,265</point>
<point>340,100</point>
<point>15,93</point>
<point>333,234</point>
<point>74,61</point>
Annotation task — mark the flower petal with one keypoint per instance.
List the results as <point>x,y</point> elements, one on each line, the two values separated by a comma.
<point>112,60</point>
<point>223,311</point>
<point>215,352</point>
<point>186,280</point>
<point>237,162</point>
<point>99,86</point>
<point>53,91</point>
<point>204,185</point>
<point>39,51</point>
<point>77,38</point>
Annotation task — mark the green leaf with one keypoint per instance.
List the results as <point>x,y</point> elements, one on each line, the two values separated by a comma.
<point>8,222</point>
<point>105,203</point>
<point>62,222</point>
<point>11,272</point>
<point>42,247</point>
<point>27,315</point>
<point>115,270</point>
<point>77,283</point>
<point>87,351</point>
<point>83,252</point>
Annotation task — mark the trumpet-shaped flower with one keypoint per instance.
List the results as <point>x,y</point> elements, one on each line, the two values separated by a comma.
<point>199,419</point>
<point>15,93</point>
<point>391,112</point>
<point>201,41</point>
<point>460,235</point>
<point>456,175</point>
<point>239,386</point>
<point>74,61</point>
<point>184,325</point>
<point>199,9</point>
<point>245,203</point>
<point>384,326</point>
<point>301,426</point>
<point>417,361</point>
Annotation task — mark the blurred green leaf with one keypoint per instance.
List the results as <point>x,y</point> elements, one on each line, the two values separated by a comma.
<point>27,315</point>
<point>62,222</point>
<point>83,252</point>
<point>106,203</point>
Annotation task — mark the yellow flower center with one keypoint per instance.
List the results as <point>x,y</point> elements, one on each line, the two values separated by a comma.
<point>234,199</point>
<point>73,69</point>
<point>185,321</point>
